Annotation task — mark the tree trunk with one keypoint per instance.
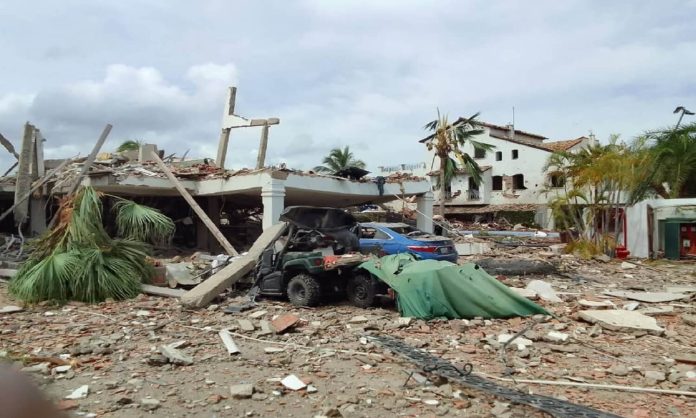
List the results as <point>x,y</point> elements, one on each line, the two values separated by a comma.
<point>443,192</point>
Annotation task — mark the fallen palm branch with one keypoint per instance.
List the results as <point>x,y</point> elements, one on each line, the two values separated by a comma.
<point>78,260</point>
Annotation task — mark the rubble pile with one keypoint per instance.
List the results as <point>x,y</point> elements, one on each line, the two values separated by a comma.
<point>151,355</point>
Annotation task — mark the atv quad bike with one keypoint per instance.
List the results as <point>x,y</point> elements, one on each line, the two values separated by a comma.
<point>315,258</point>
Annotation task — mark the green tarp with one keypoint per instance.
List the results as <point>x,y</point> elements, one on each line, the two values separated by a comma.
<point>429,289</point>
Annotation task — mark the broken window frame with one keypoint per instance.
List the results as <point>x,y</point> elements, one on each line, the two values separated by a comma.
<point>500,186</point>
<point>515,154</point>
<point>479,153</point>
<point>557,180</point>
<point>518,182</point>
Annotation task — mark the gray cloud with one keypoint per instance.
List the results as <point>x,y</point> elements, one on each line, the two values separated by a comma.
<point>363,73</point>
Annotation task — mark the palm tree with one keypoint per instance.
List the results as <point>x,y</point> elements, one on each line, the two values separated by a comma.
<point>337,160</point>
<point>674,153</point>
<point>449,139</point>
<point>129,145</point>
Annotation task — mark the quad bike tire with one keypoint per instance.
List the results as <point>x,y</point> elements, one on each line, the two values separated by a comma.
<point>304,290</point>
<point>361,290</point>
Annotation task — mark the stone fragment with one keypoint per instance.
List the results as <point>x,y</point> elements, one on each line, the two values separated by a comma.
<point>654,376</point>
<point>79,393</point>
<point>689,319</point>
<point>284,322</point>
<point>10,309</point>
<point>175,356</point>
<point>293,382</point>
<point>595,304</point>
<point>273,350</point>
<point>627,266</point>
<point>602,257</point>
<point>556,337</point>
<point>242,391</point>
<point>520,342</point>
<point>621,320</point>
<point>358,320</point>
<point>544,290</point>
<point>648,297</point>
<point>658,310</point>
<point>257,314</point>
<point>149,404</point>
<point>266,328</point>
<point>404,322</point>
<point>41,368</point>
<point>62,369</point>
<point>246,325</point>
<point>631,306</point>
<point>619,370</point>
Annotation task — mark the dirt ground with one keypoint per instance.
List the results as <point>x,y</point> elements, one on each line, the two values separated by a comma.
<point>114,349</point>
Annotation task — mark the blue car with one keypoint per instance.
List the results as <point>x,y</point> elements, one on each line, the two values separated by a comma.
<point>393,238</point>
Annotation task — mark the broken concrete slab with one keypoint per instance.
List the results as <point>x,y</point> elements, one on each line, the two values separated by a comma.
<point>10,309</point>
<point>284,323</point>
<point>627,266</point>
<point>680,289</point>
<point>689,319</point>
<point>162,291</point>
<point>246,325</point>
<point>596,304</point>
<point>79,393</point>
<point>520,342</point>
<point>180,274</point>
<point>175,356</point>
<point>243,391</point>
<point>658,310</point>
<point>516,267</point>
<point>648,297</point>
<point>544,290</point>
<point>238,267</point>
<point>622,320</point>
<point>293,382</point>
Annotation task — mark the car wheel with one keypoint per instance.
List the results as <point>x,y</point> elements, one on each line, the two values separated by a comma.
<point>304,290</point>
<point>361,290</point>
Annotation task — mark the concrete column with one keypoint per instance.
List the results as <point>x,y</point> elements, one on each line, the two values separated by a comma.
<point>273,200</point>
<point>424,218</point>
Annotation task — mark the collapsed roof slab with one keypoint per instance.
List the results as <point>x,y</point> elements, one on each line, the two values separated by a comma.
<point>273,189</point>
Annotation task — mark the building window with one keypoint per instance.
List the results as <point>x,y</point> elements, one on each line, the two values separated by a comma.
<point>479,153</point>
<point>515,154</point>
<point>557,180</point>
<point>497,182</point>
<point>498,155</point>
<point>518,182</point>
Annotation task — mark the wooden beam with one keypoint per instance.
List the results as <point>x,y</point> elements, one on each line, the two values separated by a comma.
<point>189,199</point>
<point>38,184</point>
<point>261,158</point>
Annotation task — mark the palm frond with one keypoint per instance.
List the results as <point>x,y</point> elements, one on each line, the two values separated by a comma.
<point>46,279</point>
<point>142,223</point>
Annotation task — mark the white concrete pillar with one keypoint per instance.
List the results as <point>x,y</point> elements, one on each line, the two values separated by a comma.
<point>424,218</point>
<point>273,200</point>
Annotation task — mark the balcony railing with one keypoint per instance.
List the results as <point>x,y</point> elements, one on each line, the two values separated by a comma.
<point>473,194</point>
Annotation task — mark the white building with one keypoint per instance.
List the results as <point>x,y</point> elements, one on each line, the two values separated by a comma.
<point>513,175</point>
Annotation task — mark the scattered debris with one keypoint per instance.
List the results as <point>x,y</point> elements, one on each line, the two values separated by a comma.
<point>648,297</point>
<point>242,391</point>
<point>284,322</point>
<point>619,319</point>
<point>293,382</point>
<point>596,304</point>
<point>10,309</point>
<point>544,290</point>
<point>175,356</point>
<point>79,393</point>
<point>227,340</point>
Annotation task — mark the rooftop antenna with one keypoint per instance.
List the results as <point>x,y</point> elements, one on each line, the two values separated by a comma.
<point>513,117</point>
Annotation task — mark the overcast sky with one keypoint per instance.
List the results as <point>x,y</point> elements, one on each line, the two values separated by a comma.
<point>363,73</point>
